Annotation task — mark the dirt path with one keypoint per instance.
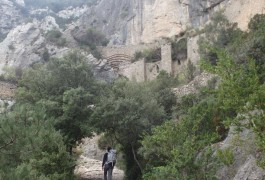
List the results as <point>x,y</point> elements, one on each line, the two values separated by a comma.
<point>90,161</point>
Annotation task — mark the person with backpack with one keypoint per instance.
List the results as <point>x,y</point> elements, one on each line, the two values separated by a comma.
<point>108,163</point>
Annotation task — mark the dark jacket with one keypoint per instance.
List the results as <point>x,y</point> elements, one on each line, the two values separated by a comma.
<point>105,158</point>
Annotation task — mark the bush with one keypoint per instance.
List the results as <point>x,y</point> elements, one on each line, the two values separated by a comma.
<point>55,36</point>
<point>150,55</point>
<point>93,38</point>
<point>179,49</point>
<point>226,156</point>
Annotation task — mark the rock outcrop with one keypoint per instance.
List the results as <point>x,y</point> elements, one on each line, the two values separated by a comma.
<point>194,86</point>
<point>133,22</point>
<point>10,16</point>
<point>245,153</point>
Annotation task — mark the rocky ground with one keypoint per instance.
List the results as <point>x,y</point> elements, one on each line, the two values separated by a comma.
<point>89,162</point>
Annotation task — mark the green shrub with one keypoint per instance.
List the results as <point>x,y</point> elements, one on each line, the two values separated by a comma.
<point>190,71</point>
<point>226,156</point>
<point>150,55</point>
<point>92,38</point>
<point>179,49</point>
<point>55,36</point>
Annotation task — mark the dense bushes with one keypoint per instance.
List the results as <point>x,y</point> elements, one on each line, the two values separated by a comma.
<point>179,49</point>
<point>180,150</point>
<point>130,109</point>
<point>55,36</point>
<point>50,115</point>
<point>161,136</point>
<point>93,38</point>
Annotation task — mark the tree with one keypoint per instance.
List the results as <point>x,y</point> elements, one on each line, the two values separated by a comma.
<point>30,148</point>
<point>66,88</point>
<point>172,150</point>
<point>127,111</point>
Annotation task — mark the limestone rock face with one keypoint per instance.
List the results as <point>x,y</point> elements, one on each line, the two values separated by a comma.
<point>244,166</point>
<point>10,16</point>
<point>241,11</point>
<point>102,69</point>
<point>22,46</point>
<point>133,22</point>
<point>193,86</point>
<point>156,19</point>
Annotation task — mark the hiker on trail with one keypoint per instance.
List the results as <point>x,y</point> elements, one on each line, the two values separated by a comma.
<point>108,163</point>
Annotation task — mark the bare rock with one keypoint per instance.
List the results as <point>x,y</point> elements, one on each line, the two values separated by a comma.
<point>244,167</point>
<point>10,16</point>
<point>192,87</point>
<point>89,164</point>
<point>249,170</point>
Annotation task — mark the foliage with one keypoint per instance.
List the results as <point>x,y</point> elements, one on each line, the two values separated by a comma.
<point>226,156</point>
<point>238,83</point>
<point>30,148</point>
<point>171,150</point>
<point>220,33</point>
<point>150,55</point>
<point>11,75</point>
<point>65,87</point>
<point>190,71</point>
<point>179,49</point>
<point>130,109</point>
<point>46,55</point>
<point>94,37</point>
<point>55,36</point>
<point>162,85</point>
<point>242,77</point>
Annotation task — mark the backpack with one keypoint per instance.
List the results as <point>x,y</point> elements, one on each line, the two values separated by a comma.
<point>112,156</point>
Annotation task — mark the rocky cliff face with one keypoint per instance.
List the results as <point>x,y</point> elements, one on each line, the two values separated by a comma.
<point>157,18</point>
<point>136,21</point>
<point>10,16</point>
<point>124,22</point>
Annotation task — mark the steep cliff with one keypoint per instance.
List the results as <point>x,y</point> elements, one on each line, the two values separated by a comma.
<point>133,22</point>
<point>10,16</point>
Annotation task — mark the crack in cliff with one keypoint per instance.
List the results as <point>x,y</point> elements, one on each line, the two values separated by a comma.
<point>207,9</point>
<point>183,3</point>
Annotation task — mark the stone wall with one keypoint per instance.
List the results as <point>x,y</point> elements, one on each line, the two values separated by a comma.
<point>141,70</point>
<point>166,58</point>
<point>127,50</point>
<point>152,70</point>
<point>135,71</point>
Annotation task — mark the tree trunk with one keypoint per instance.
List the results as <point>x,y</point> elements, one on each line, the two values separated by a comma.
<point>136,160</point>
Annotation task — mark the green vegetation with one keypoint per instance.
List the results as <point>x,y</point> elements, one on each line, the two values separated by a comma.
<point>226,156</point>
<point>179,49</point>
<point>50,115</point>
<point>150,55</point>
<point>91,39</point>
<point>160,135</point>
<point>190,71</point>
<point>55,36</point>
